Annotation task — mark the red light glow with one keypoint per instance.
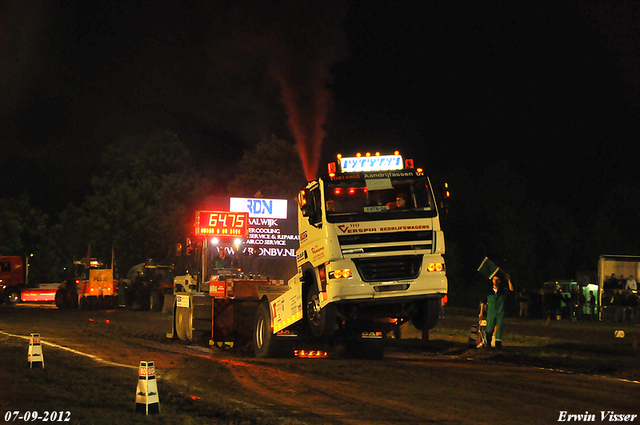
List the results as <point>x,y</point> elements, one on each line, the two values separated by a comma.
<point>39,295</point>
<point>310,354</point>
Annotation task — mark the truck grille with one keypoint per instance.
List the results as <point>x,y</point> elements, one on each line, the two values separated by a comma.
<point>379,269</point>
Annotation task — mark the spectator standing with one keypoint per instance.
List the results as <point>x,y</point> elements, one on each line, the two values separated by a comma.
<point>582,304</point>
<point>495,301</point>
<point>592,306</point>
<point>556,304</point>
<point>524,299</point>
<point>631,285</point>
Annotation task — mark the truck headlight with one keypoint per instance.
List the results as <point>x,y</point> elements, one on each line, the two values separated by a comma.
<point>340,274</point>
<point>435,267</point>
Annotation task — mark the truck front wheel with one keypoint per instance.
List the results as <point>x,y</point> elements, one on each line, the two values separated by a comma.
<point>426,315</point>
<point>321,322</point>
<point>11,296</point>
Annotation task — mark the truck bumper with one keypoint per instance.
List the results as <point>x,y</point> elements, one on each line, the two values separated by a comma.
<point>425,285</point>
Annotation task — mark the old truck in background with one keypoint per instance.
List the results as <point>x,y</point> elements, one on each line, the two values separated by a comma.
<point>148,283</point>
<point>15,285</point>
<point>93,288</point>
<point>13,278</point>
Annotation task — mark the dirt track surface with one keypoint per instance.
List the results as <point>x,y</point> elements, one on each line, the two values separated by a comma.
<point>411,385</point>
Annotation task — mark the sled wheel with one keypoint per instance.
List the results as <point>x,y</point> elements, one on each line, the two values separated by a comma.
<point>183,324</point>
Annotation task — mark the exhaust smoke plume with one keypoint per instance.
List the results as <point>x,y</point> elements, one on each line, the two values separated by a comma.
<point>308,42</point>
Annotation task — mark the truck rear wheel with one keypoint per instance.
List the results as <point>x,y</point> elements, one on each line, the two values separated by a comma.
<point>72,295</point>
<point>61,298</point>
<point>265,343</point>
<point>262,335</point>
<point>321,322</point>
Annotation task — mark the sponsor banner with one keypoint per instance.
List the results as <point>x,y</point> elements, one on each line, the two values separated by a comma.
<point>354,228</point>
<point>270,234</point>
<point>260,207</point>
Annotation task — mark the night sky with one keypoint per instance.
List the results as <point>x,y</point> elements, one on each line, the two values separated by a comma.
<point>552,87</point>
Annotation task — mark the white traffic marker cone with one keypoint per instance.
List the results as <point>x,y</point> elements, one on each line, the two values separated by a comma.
<point>35,351</point>
<point>147,400</point>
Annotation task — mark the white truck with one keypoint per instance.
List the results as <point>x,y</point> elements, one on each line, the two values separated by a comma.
<point>370,258</point>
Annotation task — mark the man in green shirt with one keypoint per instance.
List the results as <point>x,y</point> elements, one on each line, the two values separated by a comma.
<point>495,306</point>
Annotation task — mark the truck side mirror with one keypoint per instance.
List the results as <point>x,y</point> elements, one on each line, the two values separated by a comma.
<point>303,203</point>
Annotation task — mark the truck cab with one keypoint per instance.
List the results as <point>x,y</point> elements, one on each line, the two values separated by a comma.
<point>13,278</point>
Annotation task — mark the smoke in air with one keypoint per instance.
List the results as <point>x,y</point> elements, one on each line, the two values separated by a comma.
<point>308,44</point>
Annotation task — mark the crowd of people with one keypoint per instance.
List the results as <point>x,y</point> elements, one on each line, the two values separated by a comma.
<point>620,302</point>
<point>550,303</point>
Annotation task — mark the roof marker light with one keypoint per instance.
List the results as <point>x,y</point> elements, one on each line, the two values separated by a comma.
<point>332,168</point>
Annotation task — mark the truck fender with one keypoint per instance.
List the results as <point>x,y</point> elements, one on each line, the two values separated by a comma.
<point>309,276</point>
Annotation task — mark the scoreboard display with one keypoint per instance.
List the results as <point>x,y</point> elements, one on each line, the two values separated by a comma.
<point>222,223</point>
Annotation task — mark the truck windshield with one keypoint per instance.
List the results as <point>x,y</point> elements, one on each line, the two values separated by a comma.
<point>364,199</point>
